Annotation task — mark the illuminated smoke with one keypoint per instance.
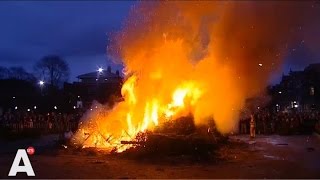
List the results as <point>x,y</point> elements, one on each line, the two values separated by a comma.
<point>203,58</point>
<point>231,48</point>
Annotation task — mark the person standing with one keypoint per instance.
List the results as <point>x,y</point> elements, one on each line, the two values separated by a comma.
<point>252,127</point>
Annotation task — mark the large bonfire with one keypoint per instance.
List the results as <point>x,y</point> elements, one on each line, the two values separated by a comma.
<point>190,58</point>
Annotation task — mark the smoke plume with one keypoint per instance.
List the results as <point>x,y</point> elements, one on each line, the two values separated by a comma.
<point>229,49</point>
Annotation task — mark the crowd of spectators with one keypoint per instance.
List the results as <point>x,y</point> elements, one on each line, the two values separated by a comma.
<point>46,123</point>
<point>283,123</point>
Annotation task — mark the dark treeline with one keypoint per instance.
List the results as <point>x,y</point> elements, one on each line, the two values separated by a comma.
<point>41,88</point>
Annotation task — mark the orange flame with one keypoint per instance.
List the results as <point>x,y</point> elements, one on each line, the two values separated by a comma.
<point>190,57</point>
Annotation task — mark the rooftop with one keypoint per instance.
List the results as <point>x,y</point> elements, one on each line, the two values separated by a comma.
<point>103,74</point>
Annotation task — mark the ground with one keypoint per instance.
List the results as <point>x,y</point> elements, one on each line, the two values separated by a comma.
<point>266,157</point>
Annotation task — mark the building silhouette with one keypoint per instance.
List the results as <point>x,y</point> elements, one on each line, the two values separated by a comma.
<point>102,86</point>
<point>299,90</point>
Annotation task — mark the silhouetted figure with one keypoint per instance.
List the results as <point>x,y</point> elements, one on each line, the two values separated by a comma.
<point>252,127</point>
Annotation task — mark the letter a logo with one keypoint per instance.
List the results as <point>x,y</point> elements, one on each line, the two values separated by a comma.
<point>27,168</point>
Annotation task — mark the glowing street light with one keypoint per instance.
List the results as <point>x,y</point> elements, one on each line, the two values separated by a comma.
<point>41,83</point>
<point>55,107</point>
<point>100,70</point>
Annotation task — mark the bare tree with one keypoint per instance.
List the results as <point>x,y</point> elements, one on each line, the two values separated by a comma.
<point>20,73</point>
<point>15,73</point>
<point>52,69</point>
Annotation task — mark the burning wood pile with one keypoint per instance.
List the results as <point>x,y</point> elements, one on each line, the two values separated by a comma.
<point>172,138</point>
<point>179,137</point>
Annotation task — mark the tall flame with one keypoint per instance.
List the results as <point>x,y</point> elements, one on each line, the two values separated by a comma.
<point>199,58</point>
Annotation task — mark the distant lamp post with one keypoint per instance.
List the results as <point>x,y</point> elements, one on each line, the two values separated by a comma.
<point>41,84</point>
<point>100,70</point>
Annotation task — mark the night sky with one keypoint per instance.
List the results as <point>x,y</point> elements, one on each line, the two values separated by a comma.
<point>78,32</point>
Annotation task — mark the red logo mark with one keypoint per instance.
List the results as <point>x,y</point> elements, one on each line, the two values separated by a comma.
<point>30,150</point>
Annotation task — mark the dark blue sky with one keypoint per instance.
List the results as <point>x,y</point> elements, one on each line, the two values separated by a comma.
<point>77,31</point>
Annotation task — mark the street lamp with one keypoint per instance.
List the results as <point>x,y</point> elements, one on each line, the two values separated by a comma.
<point>100,70</point>
<point>41,83</point>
